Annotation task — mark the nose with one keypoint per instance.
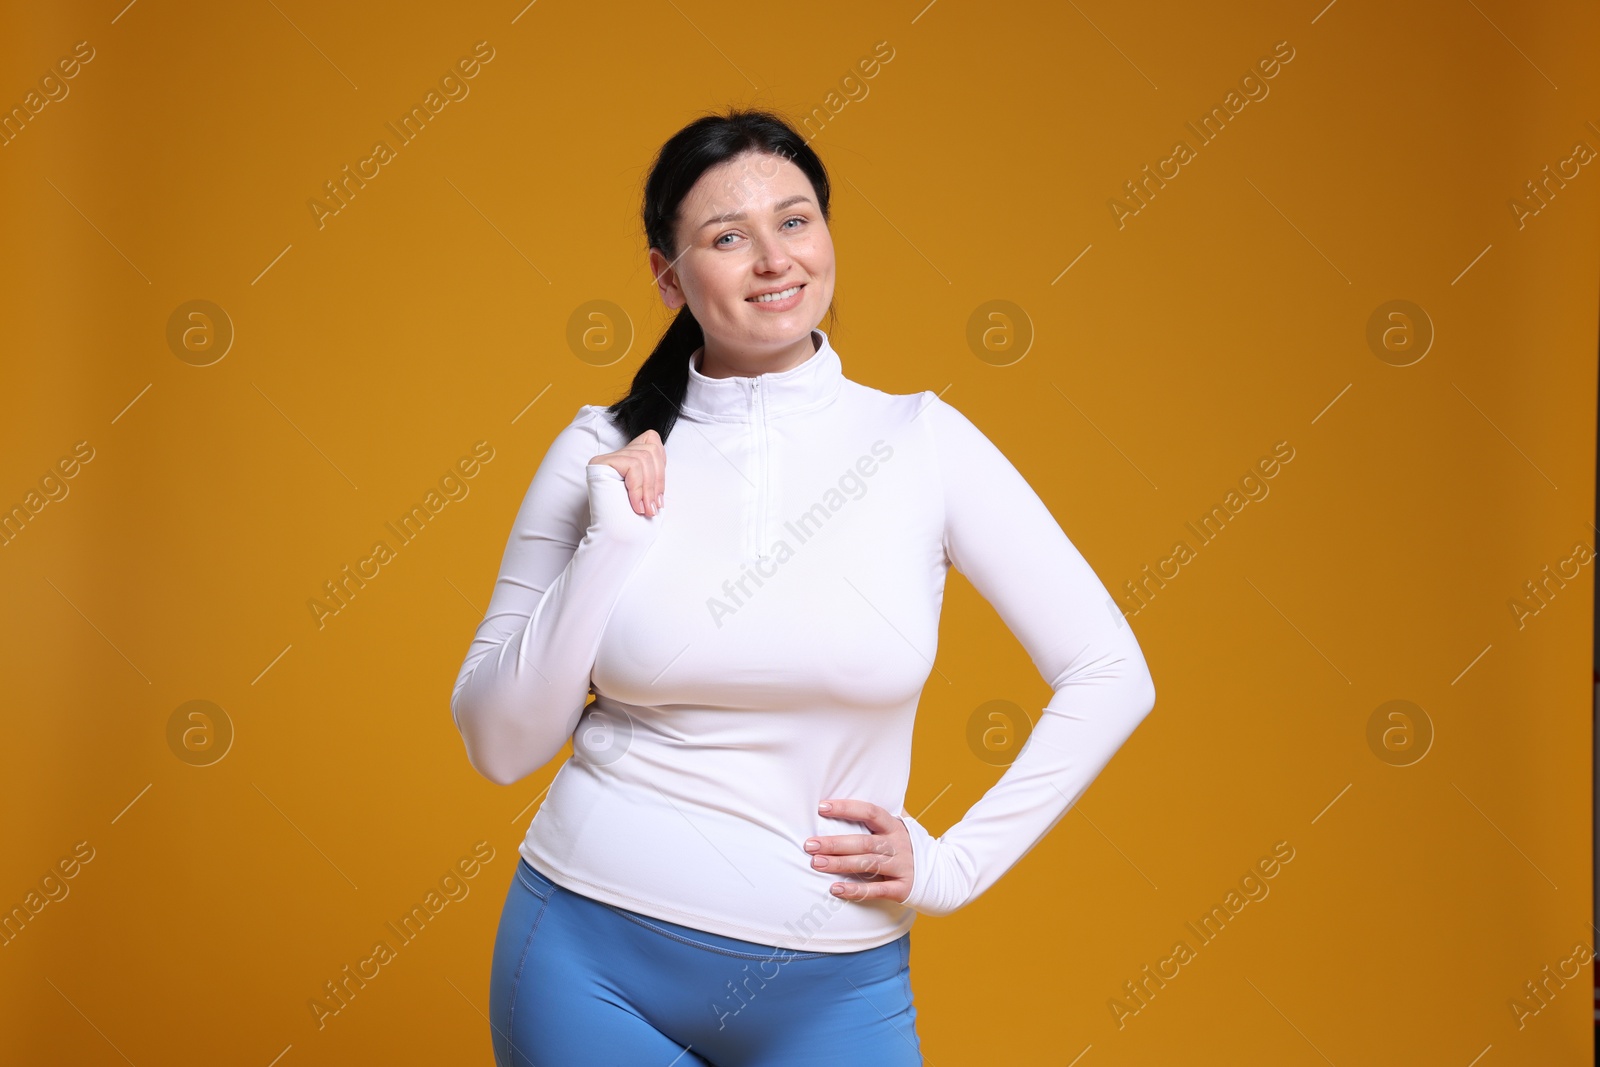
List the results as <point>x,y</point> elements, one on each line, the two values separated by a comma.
<point>771,256</point>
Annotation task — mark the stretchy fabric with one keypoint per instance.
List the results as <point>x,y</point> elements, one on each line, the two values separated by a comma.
<point>575,981</point>
<point>760,644</point>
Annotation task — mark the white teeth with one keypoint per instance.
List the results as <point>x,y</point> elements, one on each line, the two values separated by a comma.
<point>767,298</point>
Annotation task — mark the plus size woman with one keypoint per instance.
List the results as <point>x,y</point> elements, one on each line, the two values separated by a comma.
<point>743,561</point>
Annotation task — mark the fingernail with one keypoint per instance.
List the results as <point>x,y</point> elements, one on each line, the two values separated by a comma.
<point>824,806</point>
<point>813,845</point>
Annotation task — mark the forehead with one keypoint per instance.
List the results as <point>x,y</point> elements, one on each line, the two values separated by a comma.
<point>747,182</point>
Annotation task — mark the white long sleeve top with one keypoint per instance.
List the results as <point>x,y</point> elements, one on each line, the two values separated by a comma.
<point>760,645</point>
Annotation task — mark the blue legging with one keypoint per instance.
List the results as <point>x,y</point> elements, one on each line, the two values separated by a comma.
<point>578,982</point>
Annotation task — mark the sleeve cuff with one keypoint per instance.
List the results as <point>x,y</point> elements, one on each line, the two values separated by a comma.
<point>611,514</point>
<point>924,859</point>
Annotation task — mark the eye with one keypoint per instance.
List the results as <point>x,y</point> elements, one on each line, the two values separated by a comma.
<point>718,243</point>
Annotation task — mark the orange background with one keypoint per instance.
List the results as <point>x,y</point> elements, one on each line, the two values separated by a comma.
<point>1230,313</point>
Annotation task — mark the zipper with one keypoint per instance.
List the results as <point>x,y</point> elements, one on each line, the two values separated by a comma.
<point>758,406</point>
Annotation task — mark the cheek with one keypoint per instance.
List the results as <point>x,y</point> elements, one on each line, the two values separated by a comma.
<point>723,288</point>
<point>820,269</point>
<point>816,253</point>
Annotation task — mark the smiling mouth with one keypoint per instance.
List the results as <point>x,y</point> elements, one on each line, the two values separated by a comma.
<point>782,294</point>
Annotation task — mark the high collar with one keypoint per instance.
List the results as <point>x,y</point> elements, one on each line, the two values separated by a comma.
<point>809,385</point>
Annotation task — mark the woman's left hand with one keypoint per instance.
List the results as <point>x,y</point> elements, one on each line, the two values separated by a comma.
<point>886,852</point>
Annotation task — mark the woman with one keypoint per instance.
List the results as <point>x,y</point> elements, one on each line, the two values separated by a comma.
<point>725,872</point>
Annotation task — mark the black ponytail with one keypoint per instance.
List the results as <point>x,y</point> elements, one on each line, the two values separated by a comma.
<point>656,395</point>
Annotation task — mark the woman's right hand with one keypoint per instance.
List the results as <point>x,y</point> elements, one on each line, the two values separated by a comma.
<point>642,463</point>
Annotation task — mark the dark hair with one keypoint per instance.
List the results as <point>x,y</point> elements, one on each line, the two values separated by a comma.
<point>659,385</point>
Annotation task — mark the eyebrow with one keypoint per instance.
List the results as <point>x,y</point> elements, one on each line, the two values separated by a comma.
<point>736,216</point>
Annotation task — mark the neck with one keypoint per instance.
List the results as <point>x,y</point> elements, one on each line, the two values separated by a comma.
<point>714,360</point>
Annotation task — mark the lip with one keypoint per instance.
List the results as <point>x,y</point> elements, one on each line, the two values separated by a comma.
<point>778,305</point>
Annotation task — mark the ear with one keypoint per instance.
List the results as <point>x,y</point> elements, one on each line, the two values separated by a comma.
<point>666,278</point>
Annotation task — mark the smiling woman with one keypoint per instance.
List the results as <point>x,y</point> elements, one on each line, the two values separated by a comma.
<point>737,787</point>
<point>749,274</point>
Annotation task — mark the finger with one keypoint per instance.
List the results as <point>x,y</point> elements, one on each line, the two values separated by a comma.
<point>846,844</point>
<point>641,487</point>
<point>655,448</point>
<point>895,889</point>
<point>649,478</point>
<point>661,476</point>
<point>658,476</point>
<point>646,449</point>
<point>654,461</point>
<point>871,863</point>
<point>633,477</point>
<point>875,816</point>
<point>638,478</point>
